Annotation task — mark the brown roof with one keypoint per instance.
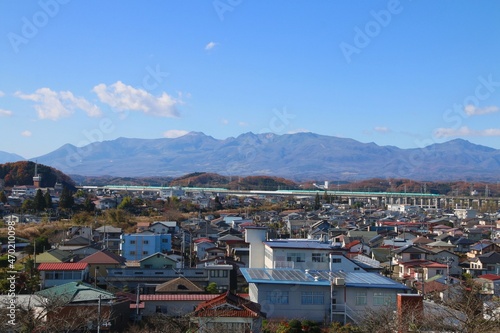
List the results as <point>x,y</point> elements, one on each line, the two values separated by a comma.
<point>180,285</point>
<point>228,305</point>
<point>104,257</point>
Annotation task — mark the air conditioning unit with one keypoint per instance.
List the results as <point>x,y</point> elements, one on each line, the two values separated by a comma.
<point>339,281</point>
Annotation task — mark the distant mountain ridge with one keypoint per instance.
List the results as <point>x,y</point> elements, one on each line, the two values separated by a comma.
<point>299,156</point>
<point>9,157</point>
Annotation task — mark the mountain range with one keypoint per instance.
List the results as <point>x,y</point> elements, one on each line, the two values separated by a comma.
<point>299,156</point>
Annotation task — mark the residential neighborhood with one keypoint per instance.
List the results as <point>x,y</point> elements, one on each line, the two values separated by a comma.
<point>242,267</point>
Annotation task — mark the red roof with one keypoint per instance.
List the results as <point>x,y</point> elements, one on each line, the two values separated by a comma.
<point>228,305</point>
<point>492,277</point>
<point>185,297</point>
<point>63,266</point>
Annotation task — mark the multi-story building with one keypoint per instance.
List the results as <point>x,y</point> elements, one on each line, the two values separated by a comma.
<point>141,245</point>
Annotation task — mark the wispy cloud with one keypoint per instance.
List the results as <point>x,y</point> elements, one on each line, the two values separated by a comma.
<point>54,105</point>
<point>172,134</point>
<point>243,123</point>
<point>127,98</point>
<point>472,110</point>
<point>26,133</point>
<point>465,131</point>
<point>210,46</point>
<point>382,129</point>
<point>5,113</point>
<point>2,93</point>
<point>224,121</point>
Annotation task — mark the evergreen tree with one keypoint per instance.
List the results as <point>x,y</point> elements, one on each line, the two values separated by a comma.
<point>48,200</point>
<point>66,200</point>
<point>317,203</point>
<point>39,201</point>
<point>3,197</point>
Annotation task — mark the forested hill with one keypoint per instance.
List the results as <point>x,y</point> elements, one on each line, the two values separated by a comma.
<point>21,173</point>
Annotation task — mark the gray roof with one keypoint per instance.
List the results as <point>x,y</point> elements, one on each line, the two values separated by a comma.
<point>319,278</point>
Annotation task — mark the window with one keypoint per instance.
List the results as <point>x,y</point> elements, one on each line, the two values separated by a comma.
<point>145,241</point>
<point>277,297</point>
<point>336,260</point>
<point>145,252</point>
<point>164,240</point>
<point>318,257</point>
<point>383,299</point>
<point>132,241</point>
<point>415,256</point>
<point>312,297</point>
<point>132,253</point>
<point>218,273</point>
<point>296,257</point>
<point>361,298</point>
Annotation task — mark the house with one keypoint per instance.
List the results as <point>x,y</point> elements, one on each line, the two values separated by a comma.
<point>99,262</point>
<point>487,263</point>
<point>106,203</point>
<point>109,237</point>
<point>175,305</point>
<point>54,256</point>
<point>490,284</point>
<point>180,285</point>
<point>200,247</point>
<point>227,313</point>
<point>319,295</point>
<point>54,274</point>
<point>131,277</point>
<point>482,246</point>
<point>164,227</point>
<point>158,260</point>
<point>140,245</point>
<point>79,306</point>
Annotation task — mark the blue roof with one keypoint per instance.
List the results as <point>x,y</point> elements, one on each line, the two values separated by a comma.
<point>319,278</point>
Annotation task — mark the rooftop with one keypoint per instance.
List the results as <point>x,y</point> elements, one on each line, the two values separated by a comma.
<point>319,278</point>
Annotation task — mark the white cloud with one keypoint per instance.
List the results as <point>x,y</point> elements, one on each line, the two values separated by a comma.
<point>472,110</point>
<point>124,97</point>
<point>210,46</point>
<point>225,122</point>
<point>465,131</point>
<point>172,134</point>
<point>26,133</point>
<point>382,129</point>
<point>2,93</point>
<point>5,113</point>
<point>243,124</point>
<point>54,105</point>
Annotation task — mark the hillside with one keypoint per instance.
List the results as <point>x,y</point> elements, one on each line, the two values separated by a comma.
<point>21,173</point>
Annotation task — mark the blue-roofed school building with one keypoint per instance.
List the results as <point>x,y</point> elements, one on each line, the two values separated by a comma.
<point>330,289</point>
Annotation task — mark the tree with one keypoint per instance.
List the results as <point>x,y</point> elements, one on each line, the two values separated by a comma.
<point>88,205</point>
<point>212,288</point>
<point>126,204</point>
<point>317,203</point>
<point>48,200</point>
<point>66,200</point>
<point>39,201</point>
<point>3,197</point>
<point>28,205</point>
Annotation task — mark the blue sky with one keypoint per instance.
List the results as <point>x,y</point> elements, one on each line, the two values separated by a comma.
<point>402,73</point>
